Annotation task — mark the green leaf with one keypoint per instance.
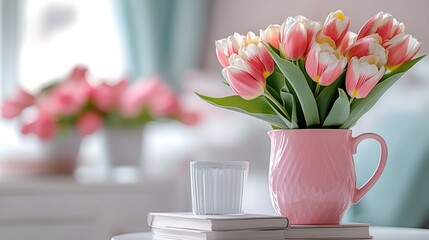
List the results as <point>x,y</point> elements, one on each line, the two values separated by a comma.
<point>276,81</point>
<point>299,84</point>
<point>258,108</point>
<point>403,68</point>
<point>290,107</point>
<point>361,106</point>
<point>339,112</point>
<point>280,115</point>
<point>310,81</point>
<point>326,96</point>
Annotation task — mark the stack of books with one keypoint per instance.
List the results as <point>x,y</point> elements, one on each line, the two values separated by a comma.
<point>187,226</point>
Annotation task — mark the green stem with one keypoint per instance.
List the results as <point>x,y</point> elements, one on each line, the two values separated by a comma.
<point>351,100</point>
<point>316,92</point>
<point>278,105</point>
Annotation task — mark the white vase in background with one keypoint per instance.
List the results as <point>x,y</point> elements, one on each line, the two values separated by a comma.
<point>123,146</point>
<point>62,151</point>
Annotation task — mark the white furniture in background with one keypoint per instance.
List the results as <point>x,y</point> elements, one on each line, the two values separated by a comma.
<point>61,208</point>
<point>379,233</point>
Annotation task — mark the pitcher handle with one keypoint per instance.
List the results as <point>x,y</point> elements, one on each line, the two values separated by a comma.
<point>360,192</point>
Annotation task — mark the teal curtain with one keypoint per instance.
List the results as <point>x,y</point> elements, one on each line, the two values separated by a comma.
<point>162,36</point>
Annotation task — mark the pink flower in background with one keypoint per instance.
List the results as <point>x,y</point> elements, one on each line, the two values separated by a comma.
<point>151,94</point>
<point>228,46</point>
<point>71,95</point>
<point>402,48</point>
<point>105,96</point>
<point>68,98</point>
<point>135,97</point>
<point>88,123</point>
<point>336,26</point>
<point>348,40</point>
<point>323,64</point>
<point>271,35</point>
<point>367,47</point>
<point>249,70</point>
<point>12,108</point>
<point>361,77</point>
<point>45,126</point>
<point>73,102</point>
<point>78,74</point>
<point>383,24</point>
<point>165,103</point>
<point>189,117</point>
<point>296,36</point>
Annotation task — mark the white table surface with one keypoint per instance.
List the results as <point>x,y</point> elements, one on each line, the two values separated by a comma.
<point>379,233</point>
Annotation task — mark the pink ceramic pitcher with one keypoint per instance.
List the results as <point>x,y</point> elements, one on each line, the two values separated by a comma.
<point>312,177</point>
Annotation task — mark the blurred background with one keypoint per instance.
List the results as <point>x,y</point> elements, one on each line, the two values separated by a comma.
<point>42,40</point>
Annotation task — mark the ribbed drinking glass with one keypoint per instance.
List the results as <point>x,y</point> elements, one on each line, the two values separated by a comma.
<point>218,187</point>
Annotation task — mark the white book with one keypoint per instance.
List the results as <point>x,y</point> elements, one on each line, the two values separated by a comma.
<point>188,234</point>
<point>337,232</point>
<point>342,231</point>
<point>188,220</point>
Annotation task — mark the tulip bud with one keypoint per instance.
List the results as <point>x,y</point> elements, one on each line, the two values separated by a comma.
<point>296,37</point>
<point>361,77</point>
<point>346,42</point>
<point>336,26</point>
<point>383,24</point>
<point>249,70</point>
<point>367,46</point>
<point>323,64</point>
<point>271,35</point>
<point>227,46</point>
<point>402,48</point>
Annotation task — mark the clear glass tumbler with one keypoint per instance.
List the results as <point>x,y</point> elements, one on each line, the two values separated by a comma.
<point>218,187</point>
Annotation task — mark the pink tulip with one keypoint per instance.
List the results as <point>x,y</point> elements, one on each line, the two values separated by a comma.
<point>336,26</point>
<point>189,117</point>
<point>402,48</point>
<point>348,40</point>
<point>366,47</point>
<point>105,96</point>
<point>383,24</point>
<point>323,64</point>
<point>68,98</point>
<point>78,74</point>
<point>296,37</point>
<point>88,123</point>
<point>271,35</point>
<point>45,126</point>
<point>165,104</point>
<point>361,77</point>
<point>152,94</point>
<point>228,46</point>
<point>249,70</point>
<point>13,107</point>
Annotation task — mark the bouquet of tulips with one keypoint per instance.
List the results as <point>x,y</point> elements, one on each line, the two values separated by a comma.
<point>305,74</point>
<point>73,102</point>
<point>148,99</point>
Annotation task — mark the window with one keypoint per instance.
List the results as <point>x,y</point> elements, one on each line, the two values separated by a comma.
<point>58,34</point>
<point>48,37</point>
